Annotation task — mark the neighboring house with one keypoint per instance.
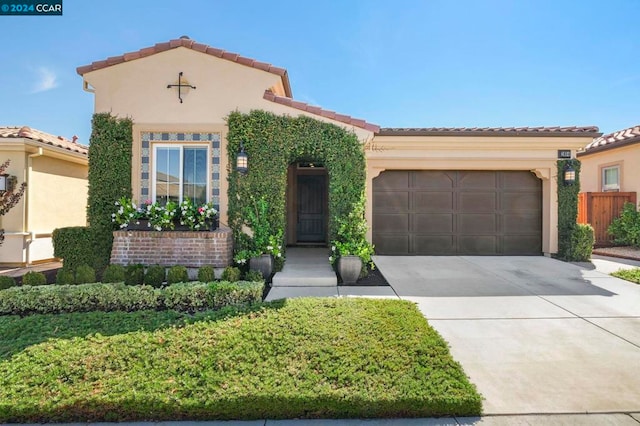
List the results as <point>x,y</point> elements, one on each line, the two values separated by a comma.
<point>429,190</point>
<point>609,177</point>
<point>55,170</point>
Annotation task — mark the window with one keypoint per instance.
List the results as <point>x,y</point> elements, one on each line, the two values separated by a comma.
<point>611,178</point>
<point>180,171</point>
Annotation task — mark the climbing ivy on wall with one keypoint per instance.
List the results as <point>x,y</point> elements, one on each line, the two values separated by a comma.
<point>567,208</point>
<point>109,179</point>
<point>272,142</point>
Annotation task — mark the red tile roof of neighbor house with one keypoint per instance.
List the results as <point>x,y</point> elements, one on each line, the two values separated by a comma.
<point>491,131</point>
<point>185,41</point>
<point>613,140</point>
<point>270,96</point>
<point>42,137</point>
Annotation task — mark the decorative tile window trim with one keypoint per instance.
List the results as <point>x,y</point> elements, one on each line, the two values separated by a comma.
<point>147,138</point>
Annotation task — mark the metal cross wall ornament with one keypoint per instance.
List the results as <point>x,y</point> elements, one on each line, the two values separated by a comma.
<point>180,86</point>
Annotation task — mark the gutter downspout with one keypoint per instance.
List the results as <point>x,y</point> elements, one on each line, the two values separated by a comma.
<point>32,234</point>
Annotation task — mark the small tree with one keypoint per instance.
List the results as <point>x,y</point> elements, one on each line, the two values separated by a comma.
<point>9,198</point>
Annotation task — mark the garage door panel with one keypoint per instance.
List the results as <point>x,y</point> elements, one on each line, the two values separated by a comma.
<point>432,179</point>
<point>478,245</point>
<point>522,223</point>
<point>391,202</point>
<point>477,179</point>
<point>440,223</point>
<point>478,201</point>
<point>392,244</point>
<point>477,224</point>
<point>522,245</point>
<point>428,245</point>
<point>457,212</point>
<point>433,201</point>
<point>391,223</point>
<point>521,201</point>
<point>393,180</point>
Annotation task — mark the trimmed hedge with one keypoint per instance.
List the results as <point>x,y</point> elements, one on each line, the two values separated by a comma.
<point>85,274</point>
<point>568,214</point>
<point>73,245</point>
<point>113,274</point>
<point>177,274</point>
<point>34,278</point>
<point>582,240</point>
<point>188,297</point>
<point>7,282</point>
<point>206,274</point>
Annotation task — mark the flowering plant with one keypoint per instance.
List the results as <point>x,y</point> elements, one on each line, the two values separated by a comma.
<point>196,217</point>
<point>163,217</point>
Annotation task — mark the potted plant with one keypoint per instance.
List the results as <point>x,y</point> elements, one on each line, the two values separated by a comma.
<point>198,217</point>
<point>171,216</point>
<point>350,251</point>
<point>262,247</point>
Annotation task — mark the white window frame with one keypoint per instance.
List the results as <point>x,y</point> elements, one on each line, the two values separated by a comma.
<point>610,187</point>
<point>182,146</point>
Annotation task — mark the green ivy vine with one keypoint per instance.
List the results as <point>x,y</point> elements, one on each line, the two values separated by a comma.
<point>567,208</point>
<point>273,142</point>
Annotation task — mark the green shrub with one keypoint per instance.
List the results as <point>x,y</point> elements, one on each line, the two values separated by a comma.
<point>253,276</point>
<point>155,276</point>
<point>109,179</point>
<point>34,278</point>
<point>186,297</point>
<point>582,240</point>
<point>65,276</point>
<point>113,274</point>
<point>231,274</point>
<point>206,274</point>
<point>134,275</point>
<point>177,274</point>
<point>632,275</point>
<point>7,282</point>
<point>73,245</point>
<point>85,274</point>
<point>626,228</point>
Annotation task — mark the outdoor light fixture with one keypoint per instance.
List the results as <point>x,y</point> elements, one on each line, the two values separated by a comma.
<point>569,175</point>
<point>242,161</point>
<point>183,86</point>
<point>4,182</point>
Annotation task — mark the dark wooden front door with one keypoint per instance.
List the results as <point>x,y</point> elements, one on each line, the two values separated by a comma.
<point>312,205</point>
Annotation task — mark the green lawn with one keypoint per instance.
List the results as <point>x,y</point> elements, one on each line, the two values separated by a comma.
<point>301,358</point>
<point>632,275</point>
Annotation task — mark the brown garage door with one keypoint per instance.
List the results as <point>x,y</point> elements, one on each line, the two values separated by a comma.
<point>457,212</point>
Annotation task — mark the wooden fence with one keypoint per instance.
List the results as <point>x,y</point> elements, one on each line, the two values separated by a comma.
<point>599,209</point>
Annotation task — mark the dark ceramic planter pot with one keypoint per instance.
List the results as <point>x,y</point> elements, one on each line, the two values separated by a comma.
<point>262,264</point>
<point>349,268</point>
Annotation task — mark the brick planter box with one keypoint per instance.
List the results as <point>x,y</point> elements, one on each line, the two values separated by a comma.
<point>169,248</point>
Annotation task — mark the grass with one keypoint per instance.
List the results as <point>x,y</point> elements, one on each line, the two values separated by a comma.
<point>301,358</point>
<point>632,275</point>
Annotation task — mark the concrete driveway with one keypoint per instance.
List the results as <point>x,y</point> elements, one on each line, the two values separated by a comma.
<point>536,335</point>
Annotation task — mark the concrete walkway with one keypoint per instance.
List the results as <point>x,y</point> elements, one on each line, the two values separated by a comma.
<point>306,267</point>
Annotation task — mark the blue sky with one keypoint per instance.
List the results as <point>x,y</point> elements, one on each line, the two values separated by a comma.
<point>449,63</point>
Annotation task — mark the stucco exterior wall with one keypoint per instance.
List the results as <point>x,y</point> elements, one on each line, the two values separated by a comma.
<point>56,197</point>
<point>626,157</point>
<point>536,154</point>
<point>138,89</point>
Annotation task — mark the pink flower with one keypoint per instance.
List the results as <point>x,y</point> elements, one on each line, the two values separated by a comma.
<point>200,210</point>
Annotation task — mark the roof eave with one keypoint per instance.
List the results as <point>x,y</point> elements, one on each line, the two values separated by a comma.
<point>409,132</point>
<point>610,146</point>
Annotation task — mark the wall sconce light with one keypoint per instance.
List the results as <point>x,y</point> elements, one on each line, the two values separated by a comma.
<point>569,174</point>
<point>242,161</point>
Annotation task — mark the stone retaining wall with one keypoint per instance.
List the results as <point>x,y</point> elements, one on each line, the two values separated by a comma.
<point>169,248</point>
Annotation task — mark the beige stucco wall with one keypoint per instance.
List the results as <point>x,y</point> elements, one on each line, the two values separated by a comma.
<point>536,154</point>
<point>138,89</point>
<point>626,157</point>
<point>56,197</point>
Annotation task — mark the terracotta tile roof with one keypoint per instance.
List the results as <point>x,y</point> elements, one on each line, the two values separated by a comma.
<point>270,96</point>
<point>491,131</point>
<point>185,41</point>
<point>45,138</point>
<point>613,140</point>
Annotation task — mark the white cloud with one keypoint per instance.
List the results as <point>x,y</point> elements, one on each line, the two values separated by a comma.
<point>46,80</point>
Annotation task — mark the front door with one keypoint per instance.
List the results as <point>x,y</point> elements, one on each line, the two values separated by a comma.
<point>311,212</point>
